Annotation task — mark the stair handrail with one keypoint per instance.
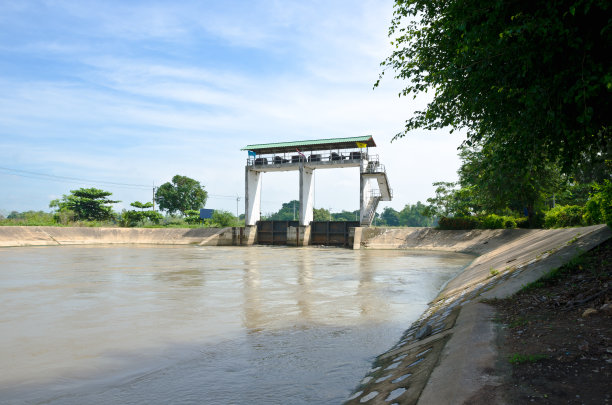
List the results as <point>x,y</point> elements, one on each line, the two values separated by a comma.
<point>370,210</point>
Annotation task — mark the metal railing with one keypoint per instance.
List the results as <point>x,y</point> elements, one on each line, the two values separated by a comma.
<point>370,210</point>
<point>343,156</point>
<point>374,167</point>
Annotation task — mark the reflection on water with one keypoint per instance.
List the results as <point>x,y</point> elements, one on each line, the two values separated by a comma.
<point>185,325</point>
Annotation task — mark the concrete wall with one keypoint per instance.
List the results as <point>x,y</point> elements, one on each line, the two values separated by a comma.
<point>476,241</point>
<point>355,235</point>
<point>298,235</point>
<point>497,249</point>
<point>49,235</point>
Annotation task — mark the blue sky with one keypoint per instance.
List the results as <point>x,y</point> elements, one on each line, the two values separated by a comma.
<point>122,95</point>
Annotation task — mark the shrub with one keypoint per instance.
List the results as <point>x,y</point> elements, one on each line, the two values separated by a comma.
<point>222,219</point>
<point>509,222</point>
<point>563,216</point>
<point>606,202</point>
<point>64,217</point>
<point>522,222</point>
<point>493,221</point>
<point>135,218</point>
<point>458,223</point>
<point>172,221</point>
<point>192,217</point>
<point>592,210</point>
<point>28,218</point>
<point>598,208</point>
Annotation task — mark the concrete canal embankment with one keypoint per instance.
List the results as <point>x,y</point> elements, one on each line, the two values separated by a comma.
<point>449,355</point>
<point>53,236</point>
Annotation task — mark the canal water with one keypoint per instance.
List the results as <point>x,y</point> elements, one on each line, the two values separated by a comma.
<point>195,325</point>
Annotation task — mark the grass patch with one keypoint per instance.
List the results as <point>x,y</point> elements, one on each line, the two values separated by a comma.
<point>574,239</point>
<point>533,286</point>
<point>520,321</point>
<point>553,276</point>
<point>518,358</point>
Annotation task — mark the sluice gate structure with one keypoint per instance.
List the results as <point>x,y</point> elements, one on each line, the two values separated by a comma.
<point>306,157</point>
<point>327,233</point>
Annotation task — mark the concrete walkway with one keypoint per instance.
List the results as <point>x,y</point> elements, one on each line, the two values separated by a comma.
<point>449,355</point>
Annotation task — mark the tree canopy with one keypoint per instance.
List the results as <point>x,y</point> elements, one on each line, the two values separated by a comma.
<point>135,218</point>
<point>221,219</point>
<point>289,211</point>
<point>88,204</point>
<point>528,78</point>
<point>142,206</point>
<point>410,215</point>
<point>345,215</point>
<point>390,217</point>
<point>492,183</point>
<point>180,195</point>
<point>321,214</point>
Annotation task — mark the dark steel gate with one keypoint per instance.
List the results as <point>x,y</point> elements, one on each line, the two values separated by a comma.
<point>331,233</point>
<point>273,232</point>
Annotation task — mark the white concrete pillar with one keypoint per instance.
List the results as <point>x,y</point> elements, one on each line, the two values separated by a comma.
<point>252,195</point>
<point>364,190</point>
<point>306,195</point>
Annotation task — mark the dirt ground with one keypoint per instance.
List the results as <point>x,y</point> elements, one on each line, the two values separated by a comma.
<point>557,335</point>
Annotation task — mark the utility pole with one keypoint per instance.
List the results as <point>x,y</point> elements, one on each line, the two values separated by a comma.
<point>237,201</point>
<point>294,210</point>
<point>153,196</point>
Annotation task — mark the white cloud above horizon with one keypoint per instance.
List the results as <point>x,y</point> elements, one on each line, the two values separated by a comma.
<point>137,92</point>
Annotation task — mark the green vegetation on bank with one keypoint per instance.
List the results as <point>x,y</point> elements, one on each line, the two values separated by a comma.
<point>530,84</point>
<point>458,208</point>
<point>518,358</point>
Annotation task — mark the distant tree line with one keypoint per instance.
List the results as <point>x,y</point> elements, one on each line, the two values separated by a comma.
<point>180,199</point>
<point>410,215</point>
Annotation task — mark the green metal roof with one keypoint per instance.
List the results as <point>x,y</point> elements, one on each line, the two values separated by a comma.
<point>312,145</point>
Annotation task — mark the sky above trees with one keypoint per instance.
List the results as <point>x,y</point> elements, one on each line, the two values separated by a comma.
<point>131,93</point>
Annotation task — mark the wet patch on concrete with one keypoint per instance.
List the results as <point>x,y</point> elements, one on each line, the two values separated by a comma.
<point>399,375</point>
<point>400,380</point>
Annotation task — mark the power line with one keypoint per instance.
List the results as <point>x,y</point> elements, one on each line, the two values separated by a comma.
<point>78,180</point>
<point>233,197</point>
<point>51,177</point>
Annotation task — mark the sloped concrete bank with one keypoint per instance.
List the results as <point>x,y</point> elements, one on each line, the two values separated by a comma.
<point>449,355</point>
<point>11,236</point>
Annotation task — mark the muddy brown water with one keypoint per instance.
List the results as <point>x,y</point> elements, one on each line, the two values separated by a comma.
<point>194,325</point>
